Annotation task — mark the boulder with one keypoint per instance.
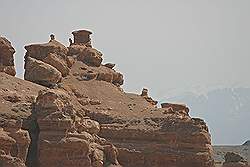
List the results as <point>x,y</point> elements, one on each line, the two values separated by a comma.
<point>6,57</point>
<point>176,107</point>
<point>88,125</point>
<point>41,51</point>
<point>57,62</point>
<point>41,73</point>
<point>90,56</point>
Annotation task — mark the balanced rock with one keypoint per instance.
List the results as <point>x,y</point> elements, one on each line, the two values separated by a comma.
<point>6,57</point>
<point>41,73</point>
<point>41,51</point>
<point>53,53</point>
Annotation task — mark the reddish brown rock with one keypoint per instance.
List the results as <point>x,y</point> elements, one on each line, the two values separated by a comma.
<point>82,37</point>
<point>41,73</point>
<point>9,161</point>
<point>66,135</point>
<point>14,144</point>
<point>58,63</point>
<point>13,128</point>
<point>91,57</point>
<point>53,53</point>
<point>87,120</point>
<point>144,94</point>
<point>176,107</point>
<point>41,51</point>
<point>6,57</point>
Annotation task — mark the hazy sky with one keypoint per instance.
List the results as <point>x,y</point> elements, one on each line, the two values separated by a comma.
<point>160,44</point>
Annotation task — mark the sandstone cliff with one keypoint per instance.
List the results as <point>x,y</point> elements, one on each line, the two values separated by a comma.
<point>75,109</point>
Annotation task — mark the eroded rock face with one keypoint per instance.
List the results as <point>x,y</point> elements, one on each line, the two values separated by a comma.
<point>71,138</point>
<point>85,118</point>
<point>234,160</point>
<point>58,63</point>
<point>14,143</point>
<point>46,64</point>
<point>144,94</point>
<point>87,55</point>
<point>41,51</point>
<point>6,57</point>
<point>41,73</point>
<point>172,140</point>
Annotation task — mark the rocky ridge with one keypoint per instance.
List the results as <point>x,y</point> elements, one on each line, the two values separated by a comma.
<point>78,112</point>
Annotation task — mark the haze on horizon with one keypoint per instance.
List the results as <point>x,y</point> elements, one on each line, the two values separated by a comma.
<point>164,45</point>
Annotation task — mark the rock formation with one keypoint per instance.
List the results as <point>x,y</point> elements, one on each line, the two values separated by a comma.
<point>234,160</point>
<point>41,73</point>
<point>14,144</point>
<point>6,57</point>
<point>47,63</point>
<point>75,109</point>
<point>82,37</point>
<point>67,135</point>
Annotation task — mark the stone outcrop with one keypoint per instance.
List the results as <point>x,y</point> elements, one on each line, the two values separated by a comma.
<point>14,144</point>
<point>6,57</point>
<point>84,118</point>
<point>67,135</point>
<point>46,64</point>
<point>41,73</point>
<point>172,140</point>
<point>87,55</point>
<point>41,51</point>
<point>144,94</point>
<point>82,37</point>
<point>58,63</point>
<point>234,160</point>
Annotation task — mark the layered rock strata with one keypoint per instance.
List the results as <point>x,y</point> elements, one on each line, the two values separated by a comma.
<point>84,118</point>
<point>67,135</point>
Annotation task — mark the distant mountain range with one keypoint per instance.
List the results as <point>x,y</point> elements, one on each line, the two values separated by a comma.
<point>226,111</point>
